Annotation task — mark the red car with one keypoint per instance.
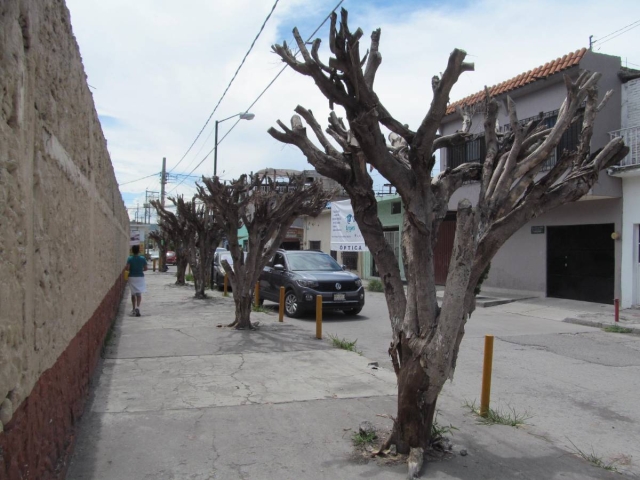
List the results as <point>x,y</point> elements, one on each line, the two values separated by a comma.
<point>171,258</point>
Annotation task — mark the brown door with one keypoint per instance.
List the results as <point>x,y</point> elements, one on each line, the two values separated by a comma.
<point>444,248</point>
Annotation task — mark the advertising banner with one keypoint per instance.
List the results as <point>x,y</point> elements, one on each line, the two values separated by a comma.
<point>345,234</point>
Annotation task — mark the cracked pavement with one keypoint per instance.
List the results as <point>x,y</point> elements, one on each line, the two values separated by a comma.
<point>177,397</point>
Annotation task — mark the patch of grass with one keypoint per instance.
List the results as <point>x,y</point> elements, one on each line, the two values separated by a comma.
<point>375,285</point>
<point>359,439</point>
<point>344,344</point>
<point>617,329</point>
<point>507,417</point>
<point>188,277</point>
<point>439,431</point>
<point>259,308</point>
<point>595,459</point>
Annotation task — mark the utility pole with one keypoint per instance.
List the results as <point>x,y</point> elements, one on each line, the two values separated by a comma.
<point>163,180</point>
<point>163,247</point>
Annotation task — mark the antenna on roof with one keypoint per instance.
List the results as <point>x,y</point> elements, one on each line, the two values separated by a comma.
<point>591,42</point>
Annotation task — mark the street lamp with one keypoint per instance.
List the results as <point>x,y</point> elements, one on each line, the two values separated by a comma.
<point>243,116</point>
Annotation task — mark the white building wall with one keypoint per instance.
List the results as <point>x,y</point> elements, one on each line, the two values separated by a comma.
<point>631,104</point>
<point>630,294</point>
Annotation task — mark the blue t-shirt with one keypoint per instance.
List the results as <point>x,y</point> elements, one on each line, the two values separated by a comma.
<point>136,265</point>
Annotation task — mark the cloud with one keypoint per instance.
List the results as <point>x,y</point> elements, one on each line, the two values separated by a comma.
<point>159,67</point>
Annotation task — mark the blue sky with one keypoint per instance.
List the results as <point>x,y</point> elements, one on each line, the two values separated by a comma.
<point>158,67</point>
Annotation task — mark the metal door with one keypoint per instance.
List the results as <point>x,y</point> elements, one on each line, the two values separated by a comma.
<point>581,262</point>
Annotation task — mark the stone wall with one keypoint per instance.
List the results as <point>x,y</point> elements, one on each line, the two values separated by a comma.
<point>63,236</point>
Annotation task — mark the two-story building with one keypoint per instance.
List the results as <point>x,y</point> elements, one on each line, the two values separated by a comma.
<point>629,173</point>
<point>574,251</point>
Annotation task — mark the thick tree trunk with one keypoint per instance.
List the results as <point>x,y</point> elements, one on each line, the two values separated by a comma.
<point>412,427</point>
<point>243,311</point>
<point>181,269</point>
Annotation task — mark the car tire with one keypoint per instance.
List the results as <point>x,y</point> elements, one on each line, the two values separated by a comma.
<point>352,311</point>
<point>291,305</point>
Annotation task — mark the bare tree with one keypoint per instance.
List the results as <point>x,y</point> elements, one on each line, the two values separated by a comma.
<point>176,229</point>
<point>267,210</point>
<point>205,235</point>
<point>426,336</point>
<point>160,238</point>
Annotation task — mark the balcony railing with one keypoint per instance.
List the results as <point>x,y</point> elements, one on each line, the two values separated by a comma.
<point>631,137</point>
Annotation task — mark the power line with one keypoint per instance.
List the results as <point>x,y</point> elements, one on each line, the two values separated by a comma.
<point>261,93</point>
<point>143,178</point>
<point>229,85</point>
<point>608,35</point>
<point>622,31</point>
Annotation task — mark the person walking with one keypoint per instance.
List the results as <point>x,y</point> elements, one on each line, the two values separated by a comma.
<point>136,266</point>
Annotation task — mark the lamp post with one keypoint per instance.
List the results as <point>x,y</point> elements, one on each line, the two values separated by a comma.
<point>243,116</point>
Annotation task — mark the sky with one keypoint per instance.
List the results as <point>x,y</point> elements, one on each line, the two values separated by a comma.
<point>157,69</point>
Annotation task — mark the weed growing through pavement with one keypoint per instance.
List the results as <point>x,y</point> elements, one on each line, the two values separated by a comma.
<point>360,438</point>
<point>344,344</point>
<point>259,308</point>
<point>188,277</point>
<point>595,459</point>
<point>617,329</point>
<point>375,286</point>
<point>509,417</point>
<point>439,431</point>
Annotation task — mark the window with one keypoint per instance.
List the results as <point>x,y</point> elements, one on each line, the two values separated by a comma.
<point>396,208</point>
<point>314,245</point>
<point>278,259</point>
<point>471,151</point>
<point>350,260</point>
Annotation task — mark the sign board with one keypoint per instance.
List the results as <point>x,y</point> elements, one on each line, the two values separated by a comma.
<point>537,229</point>
<point>136,237</point>
<point>345,233</point>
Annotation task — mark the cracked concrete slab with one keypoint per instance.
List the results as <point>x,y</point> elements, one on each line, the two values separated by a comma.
<point>148,384</point>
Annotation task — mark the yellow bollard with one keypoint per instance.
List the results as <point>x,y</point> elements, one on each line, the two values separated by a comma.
<point>319,317</point>
<point>281,309</point>
<point>486,375</point>
<point>256,295</point>
<point>154,264</point>
<point>226,282</point>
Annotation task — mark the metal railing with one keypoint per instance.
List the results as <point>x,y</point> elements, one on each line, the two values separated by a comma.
<point>631,137</point>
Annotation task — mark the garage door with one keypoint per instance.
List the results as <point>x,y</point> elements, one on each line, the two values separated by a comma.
<point>581,262</point>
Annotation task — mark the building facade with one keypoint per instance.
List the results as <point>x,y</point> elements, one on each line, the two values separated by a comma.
<point>572,251</point>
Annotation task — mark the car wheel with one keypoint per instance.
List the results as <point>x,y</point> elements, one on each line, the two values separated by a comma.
<point>291,306</point>
<point>352,311</point>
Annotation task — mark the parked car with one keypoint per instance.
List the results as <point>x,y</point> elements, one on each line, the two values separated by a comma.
<point>217,272</point>
<point>171,257</point>
<point>306,274</point>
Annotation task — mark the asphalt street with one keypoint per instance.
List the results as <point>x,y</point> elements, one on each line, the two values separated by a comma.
<point>579,385</point>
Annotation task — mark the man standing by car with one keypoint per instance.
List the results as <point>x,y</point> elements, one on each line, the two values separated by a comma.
<point>136,266</point>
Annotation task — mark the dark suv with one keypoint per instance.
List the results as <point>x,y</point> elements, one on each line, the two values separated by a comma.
<point>306,274</point>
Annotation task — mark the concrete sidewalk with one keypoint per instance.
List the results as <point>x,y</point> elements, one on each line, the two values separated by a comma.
<point>177,397</point>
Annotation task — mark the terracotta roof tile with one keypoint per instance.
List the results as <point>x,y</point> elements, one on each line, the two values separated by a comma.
<point>543,71</point>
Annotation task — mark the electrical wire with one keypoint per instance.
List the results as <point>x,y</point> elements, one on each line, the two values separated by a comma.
<point>229,85</point>
<point>622,31</point>
<point>261,94</point>
<point>619,30</point>
<point>143,178</point>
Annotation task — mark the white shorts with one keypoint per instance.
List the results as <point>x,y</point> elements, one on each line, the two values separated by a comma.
<point>137,285</point>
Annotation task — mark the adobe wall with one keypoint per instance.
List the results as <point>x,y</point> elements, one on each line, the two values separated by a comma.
<point>63,237</point>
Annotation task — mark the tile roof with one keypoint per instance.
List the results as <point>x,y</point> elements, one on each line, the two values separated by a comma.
<point>544,71</point>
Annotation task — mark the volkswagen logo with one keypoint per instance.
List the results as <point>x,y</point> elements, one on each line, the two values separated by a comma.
<point>338,286</point>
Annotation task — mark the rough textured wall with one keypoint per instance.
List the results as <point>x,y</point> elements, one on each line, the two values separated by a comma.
<point>63,225</point>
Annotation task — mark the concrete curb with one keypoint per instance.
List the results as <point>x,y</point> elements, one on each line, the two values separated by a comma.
<point>635,329</point>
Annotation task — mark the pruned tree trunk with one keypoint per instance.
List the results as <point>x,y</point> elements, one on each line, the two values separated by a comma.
<point>181,268</point>
<point>513,190</point>
<point>267,209</point>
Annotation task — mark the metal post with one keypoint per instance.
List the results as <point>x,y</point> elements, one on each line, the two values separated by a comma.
<point>485,396</point>
<point>281,308</point>
<point>616,304</point>
<point>215,152</point>
<point>319,317</point>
